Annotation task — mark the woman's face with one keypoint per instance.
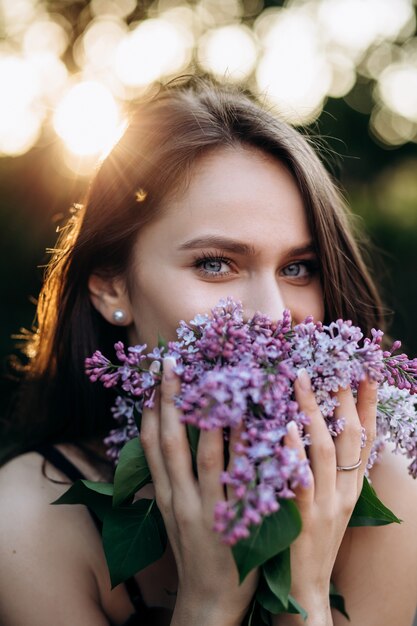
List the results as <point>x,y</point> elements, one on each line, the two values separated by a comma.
<point>238,230</point>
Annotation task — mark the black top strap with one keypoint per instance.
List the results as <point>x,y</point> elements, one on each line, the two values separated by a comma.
<point>58,460</point>
<point>64,465</point>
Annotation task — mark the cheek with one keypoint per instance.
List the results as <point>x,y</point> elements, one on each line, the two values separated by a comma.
<point>159,302</point>
<point>310,302</point>
<point>155,313</point>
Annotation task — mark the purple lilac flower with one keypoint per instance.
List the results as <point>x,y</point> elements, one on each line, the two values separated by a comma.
<point>123,412</point>
<point>239,374</point>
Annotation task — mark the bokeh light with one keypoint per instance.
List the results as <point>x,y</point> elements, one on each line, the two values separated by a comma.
<point>293,70</point>
<point>391,129</point>
<point>221,12</point>
<point>18,133</point>
<point>17,15</point>
<point>20,114</point>
<point>228,52</point>
<point>397,86</point>
<point>295,56</point>
<point>51,75</point>
<point>97,45</point>
<point>45,35</point>
<point>354,25</point>
<point>378,59</point>
<point>343,75</point>
<point>87,119</point>
<point>153,49</point>
<point>118,8</point>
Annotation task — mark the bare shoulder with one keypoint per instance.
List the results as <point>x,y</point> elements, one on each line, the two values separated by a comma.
<point>397,489</point>
<point>373,560</point>
<point>26,494</point>
<point>51,555</point>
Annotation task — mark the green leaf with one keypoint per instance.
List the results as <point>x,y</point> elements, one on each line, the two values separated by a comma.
<point>277,573</point>
<point>267,598</point>
<point>369,510</point>
<point>337,601</point>
<point>276,532</point>
<point>97,496</point>
<point>294,607</point>
<point>134,536</point>
<point>269,602</point>
<point>265,616</point>
<point>132,472</point>
<point>257,616</point>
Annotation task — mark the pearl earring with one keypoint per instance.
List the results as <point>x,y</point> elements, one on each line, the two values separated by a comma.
<point>119,316</point>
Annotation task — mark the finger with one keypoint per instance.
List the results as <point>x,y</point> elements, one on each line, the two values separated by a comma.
<point>210,462</point>
<point>322,452</point>
<point>348,443</point>
<point>150,439</point>
<point>366,407</point>
<point>293,440</point>
<point>173,437</point>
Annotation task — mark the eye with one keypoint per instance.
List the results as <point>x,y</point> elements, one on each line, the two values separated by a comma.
<point>211,265</point>
<point>295,269</point>
<point>301,269</point>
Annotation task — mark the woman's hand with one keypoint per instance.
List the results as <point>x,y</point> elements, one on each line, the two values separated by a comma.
<point>208,584</point>
<point>326,506</point>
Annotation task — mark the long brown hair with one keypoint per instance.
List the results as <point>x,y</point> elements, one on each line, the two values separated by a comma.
<point>154,158</point>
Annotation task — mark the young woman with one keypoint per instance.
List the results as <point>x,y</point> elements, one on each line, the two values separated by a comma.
<point>206,195</point>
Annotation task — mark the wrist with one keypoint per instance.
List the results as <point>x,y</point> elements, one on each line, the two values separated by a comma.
<point>317,607</point>
<point>202,614</point>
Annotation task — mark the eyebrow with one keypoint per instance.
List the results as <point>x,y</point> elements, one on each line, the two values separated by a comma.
<point>238,247</point>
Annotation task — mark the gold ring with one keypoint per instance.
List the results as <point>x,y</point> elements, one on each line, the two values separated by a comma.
<point>348,468</point>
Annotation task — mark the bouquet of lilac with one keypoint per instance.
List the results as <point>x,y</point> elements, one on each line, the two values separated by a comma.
<point>234,372</point>
<point>237,373</point>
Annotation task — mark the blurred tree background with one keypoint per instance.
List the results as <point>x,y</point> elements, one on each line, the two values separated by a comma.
<point>69,71</point>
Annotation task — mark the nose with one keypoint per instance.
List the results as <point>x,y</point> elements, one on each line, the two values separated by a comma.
<point>263,294</point>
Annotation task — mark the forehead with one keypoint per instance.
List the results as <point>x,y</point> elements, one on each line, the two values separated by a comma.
<point>238,192</point>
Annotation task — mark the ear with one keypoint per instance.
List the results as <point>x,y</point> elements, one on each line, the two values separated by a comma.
<point>108,295</point>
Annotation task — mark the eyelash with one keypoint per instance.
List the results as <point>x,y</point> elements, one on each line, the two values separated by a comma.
<point>310,264</point>
<point>209,256</point>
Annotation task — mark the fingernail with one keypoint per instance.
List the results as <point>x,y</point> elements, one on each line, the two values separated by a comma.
<point>169,364</point>
<point>155,367</point>
<point>304,379</point>
<point>292,429</point>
